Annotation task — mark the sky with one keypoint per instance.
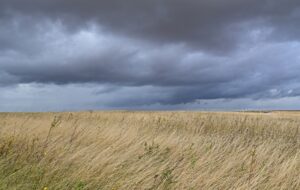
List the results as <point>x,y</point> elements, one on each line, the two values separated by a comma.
<point>69,55</point>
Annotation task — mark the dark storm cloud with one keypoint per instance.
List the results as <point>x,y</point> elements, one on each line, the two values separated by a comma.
<point>165,52</point>
<point>210,24</point>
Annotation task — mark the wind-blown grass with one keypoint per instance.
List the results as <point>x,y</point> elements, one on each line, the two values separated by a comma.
<point>149,150</point>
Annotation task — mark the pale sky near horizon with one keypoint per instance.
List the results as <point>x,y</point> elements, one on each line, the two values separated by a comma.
<point>58,55</point>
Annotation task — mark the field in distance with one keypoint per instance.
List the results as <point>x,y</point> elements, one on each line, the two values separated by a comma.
<point>124,150</point>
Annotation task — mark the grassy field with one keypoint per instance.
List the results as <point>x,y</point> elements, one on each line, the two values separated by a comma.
<point>149,150</point>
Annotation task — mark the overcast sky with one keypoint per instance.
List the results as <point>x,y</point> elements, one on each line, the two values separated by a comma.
<point>58,55</point>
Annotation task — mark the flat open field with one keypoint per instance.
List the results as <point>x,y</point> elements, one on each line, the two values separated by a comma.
<point>149,150</point>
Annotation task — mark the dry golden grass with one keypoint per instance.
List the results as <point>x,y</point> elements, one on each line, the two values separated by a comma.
<point>149,150</point>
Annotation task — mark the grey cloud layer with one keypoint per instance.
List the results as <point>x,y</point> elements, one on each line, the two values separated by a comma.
<point>169,52</point>
<point>208,24</point>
